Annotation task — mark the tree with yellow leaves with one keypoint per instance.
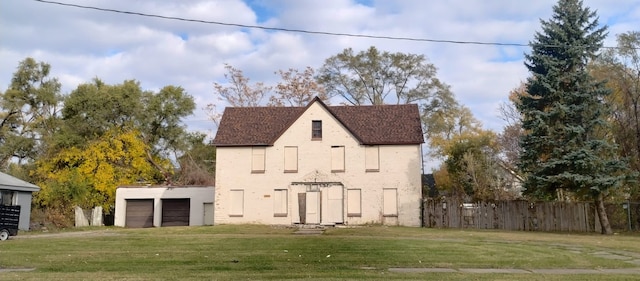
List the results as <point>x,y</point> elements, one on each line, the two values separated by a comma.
<point>89,176</point>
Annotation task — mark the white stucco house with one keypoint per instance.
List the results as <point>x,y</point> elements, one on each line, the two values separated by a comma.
<point>319,164</point>
<point>16,192</point>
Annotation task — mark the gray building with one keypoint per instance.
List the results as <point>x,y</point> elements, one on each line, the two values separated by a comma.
<point>14,191</point>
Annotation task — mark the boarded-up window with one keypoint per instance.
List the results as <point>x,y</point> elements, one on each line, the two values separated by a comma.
<point>372,158</point>
<point>290,159</point>
<point>280,203</point>
<point>257,159</point>
<point>316,129</point>
<point>337,159</point>
<point>390,202</point>
<point>236,197</point>
<point>354,203</point>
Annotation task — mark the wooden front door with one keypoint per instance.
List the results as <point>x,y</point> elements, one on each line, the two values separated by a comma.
<point>312,206</point>
<point>302,207</point>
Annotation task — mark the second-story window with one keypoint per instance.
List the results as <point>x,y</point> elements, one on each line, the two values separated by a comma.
<point>372,158</point>
<point>337,159</point>
<point>316,129</point>
<point>290,159</point>
<point>257,160</point>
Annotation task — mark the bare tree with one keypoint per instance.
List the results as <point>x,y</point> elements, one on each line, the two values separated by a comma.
<point>239,92</point>
<point>509,138</point>
<point>297,88</point>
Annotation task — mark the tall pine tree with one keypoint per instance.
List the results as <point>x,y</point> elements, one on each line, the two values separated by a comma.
<point>565,146</point>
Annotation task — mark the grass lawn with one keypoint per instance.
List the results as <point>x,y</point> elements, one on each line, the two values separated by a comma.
<point>250,252</point>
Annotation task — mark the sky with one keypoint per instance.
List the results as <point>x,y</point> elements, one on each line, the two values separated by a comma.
<point>82,44</point>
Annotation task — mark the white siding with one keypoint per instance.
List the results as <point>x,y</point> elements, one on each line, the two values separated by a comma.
<point>290,159</point>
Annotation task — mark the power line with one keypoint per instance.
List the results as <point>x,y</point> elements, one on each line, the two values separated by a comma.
<point>299,30</point>
<point>282,29</point>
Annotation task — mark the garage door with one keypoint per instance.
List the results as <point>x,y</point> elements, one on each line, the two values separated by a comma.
<point>139,213</point>
<point>175,212</point>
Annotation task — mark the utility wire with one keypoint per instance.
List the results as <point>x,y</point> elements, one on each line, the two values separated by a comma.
<point>282,29</point>
<point>301,30</point>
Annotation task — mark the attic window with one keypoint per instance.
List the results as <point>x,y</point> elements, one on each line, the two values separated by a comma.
<point>316,129</point>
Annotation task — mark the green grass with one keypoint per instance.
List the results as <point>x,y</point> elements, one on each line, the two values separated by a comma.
<point>250,252</point>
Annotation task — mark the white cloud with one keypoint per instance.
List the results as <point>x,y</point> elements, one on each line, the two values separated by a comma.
<point>81,44</point>
<point>223,44</point>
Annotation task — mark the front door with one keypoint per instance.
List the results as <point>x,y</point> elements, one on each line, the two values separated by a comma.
<point>207,218</point>
<point>321,204</point>
<point>312,207</point>
<point>332,205</point>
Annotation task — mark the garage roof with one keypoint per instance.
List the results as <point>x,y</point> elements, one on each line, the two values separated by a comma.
<point>13,183</point>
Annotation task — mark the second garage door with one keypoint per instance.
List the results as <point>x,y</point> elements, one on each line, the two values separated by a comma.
<point>139,213</point>
<point>175,212</point>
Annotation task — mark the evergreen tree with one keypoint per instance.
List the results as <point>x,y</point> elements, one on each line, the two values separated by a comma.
<point>565,146</point>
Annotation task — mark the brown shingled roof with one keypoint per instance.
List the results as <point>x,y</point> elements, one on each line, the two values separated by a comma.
<point>382,124</point>
<point>370,125</point>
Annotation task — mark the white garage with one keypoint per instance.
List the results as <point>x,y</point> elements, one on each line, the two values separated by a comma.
<point>154,206</point>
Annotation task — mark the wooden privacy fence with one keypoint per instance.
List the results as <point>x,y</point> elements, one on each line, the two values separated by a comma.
<point>510,215</point>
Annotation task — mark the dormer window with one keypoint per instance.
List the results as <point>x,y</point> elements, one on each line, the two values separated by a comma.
<point>316,129</point>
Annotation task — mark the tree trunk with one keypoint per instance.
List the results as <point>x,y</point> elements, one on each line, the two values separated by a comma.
<point>602,215</point>
<point>165,173</point>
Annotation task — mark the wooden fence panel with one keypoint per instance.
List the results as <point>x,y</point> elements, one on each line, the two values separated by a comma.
<point>510,215</point>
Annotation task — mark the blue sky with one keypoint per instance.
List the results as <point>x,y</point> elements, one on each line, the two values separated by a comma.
<point>82,44</point>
